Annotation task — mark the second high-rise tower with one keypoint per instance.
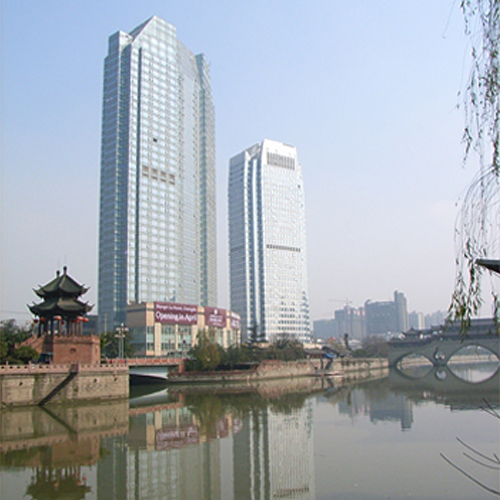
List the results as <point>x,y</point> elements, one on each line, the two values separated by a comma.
<point>267,243</point>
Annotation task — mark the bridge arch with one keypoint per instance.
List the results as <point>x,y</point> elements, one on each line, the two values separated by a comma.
<point>439,350</point>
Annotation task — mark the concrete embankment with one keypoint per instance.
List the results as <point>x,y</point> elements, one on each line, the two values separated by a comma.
<point>42,384</point>
<point>351,368</point>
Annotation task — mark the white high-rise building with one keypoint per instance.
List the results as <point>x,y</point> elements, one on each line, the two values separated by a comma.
<point>267,243</point>
<point>157,234</point>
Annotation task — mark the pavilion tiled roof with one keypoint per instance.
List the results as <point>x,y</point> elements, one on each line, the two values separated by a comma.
<point>62,285</point>
<point>62,306</point>
<point>61,298</point>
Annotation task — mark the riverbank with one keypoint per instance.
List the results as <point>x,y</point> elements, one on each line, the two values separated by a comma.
<point>41,384</point>
<point>350,368</point>
<point>33,385</point>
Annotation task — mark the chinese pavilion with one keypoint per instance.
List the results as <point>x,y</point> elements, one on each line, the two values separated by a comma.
<point>60,316</point>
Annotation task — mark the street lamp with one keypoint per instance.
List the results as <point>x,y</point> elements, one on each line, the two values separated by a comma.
<point>121,330</point>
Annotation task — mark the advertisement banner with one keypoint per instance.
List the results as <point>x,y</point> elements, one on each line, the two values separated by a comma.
<point>176,314</point>
<point>176,438</point>
<point>235,321</point>
<point>215,317</point>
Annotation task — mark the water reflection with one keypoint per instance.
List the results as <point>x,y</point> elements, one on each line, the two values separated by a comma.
<point>57,444</point>
<point>274,440</point>
<point>268,453</point>
<point>475,374</point>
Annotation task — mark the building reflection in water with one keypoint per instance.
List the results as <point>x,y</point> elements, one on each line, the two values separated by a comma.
<point>168,455</point>
<point>273,454</point>
<point>213,447</point>
<point>253,445</point>
<point>392,407</point>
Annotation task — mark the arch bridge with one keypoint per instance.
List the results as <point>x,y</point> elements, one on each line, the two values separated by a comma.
<point>439,349</point>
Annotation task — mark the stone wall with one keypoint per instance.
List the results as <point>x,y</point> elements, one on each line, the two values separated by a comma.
<point>28,385</point>
<point>282,369</point>
<point>353,368</point>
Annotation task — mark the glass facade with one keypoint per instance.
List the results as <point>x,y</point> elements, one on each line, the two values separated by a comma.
<point>267,243</point>
<point>157,234</point>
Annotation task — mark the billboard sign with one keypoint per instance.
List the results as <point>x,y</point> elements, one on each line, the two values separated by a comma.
<point>235,320</point>
<point>176,314</point>
<point>215,317</point>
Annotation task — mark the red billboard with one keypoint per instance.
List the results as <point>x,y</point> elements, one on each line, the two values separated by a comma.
<point>176,438</point>
<point>215,317</point>
<point>235,321</point>
<point>176,314</point>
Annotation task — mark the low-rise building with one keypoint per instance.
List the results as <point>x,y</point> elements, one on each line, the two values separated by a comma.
<point>171,329</point>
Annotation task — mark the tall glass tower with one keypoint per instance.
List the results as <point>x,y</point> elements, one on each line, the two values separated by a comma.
<point>157,234</point>
<point>267,243</point>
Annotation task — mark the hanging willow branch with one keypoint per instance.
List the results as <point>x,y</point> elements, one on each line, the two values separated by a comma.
<point>478,226</point>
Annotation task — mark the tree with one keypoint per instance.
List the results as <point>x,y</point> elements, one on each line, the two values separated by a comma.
<point>373,346</point>
<point>11,335</point>
<point>110,345</point>
<point>286,349</point>
<point>207,354</point>
<point>26,354</point>
<point>239,354</point>
<point>478,227</point>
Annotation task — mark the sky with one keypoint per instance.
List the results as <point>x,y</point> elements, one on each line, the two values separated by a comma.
<point>367,90</point>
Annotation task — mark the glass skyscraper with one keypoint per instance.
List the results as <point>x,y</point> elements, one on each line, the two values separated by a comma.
<point>267,243</point>
<point>157,234</point>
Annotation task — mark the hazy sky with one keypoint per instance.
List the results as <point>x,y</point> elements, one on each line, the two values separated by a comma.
<point>365,89</point>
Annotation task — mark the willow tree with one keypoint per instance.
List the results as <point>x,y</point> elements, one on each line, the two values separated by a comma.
<point>478,225</point>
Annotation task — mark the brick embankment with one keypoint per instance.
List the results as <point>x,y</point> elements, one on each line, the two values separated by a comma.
<point>268,370</point>
<point>29,385</point>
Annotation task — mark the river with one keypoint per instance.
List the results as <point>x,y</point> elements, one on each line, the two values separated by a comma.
<point>426,434</point>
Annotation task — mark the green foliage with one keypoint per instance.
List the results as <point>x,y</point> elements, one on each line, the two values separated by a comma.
<point>238,355</point>
<point>286,350</point>
<point>211,408</point>
<point>372,347</point>
<point>26,354</point>
<point>11,335</point>
<point>207,355</point>
<point>110,345</point>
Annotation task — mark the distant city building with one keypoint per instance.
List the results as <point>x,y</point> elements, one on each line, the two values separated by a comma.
<point>166,328</point>
<point>267,243</point>
<point>157,236</point>
<point>387,317</point>
<point>325,329</point>
<point>401,311</point>
<point>435,319</point>
<point>351,321</point>
<point>381,317</point>
<point>417,320</point>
